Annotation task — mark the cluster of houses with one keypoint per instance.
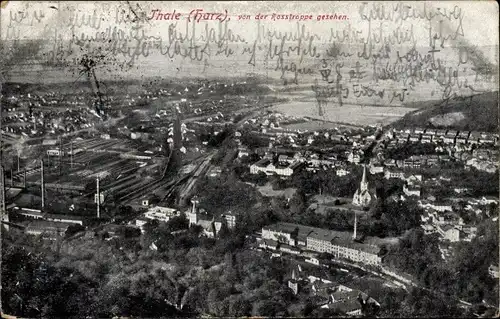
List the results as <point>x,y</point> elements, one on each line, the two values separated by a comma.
<point>440,218</point>
<point>441,136</point>
<point>419,161</point>
<point>286,165</point>
<point>329,295</point>
<point>37,123</point>
<point>354,142</point>
<point>413,182</point>
<point>482,156</point>
<point>482,159</point>
<point>274,127</point>
<point>473,149</point>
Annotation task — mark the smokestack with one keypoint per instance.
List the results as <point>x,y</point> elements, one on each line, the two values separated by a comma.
<point>24,177</point>
<point>42,185</point>
<point>98,200</point>
<point>355,225</point>
<point>11,178</point>
<point>60,156</point>
<point>2,190</point>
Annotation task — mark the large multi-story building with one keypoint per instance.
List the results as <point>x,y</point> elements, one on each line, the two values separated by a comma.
<point>283,233</point>
<point>266,166</point>
<point>160,213</point>
<point>339,244</point>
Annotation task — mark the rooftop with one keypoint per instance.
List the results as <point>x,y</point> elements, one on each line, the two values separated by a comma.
<point>61,216</point>
<point>47,225</point>
<point>263,162</point>
<point>345,307</point>
<point>332,236</point>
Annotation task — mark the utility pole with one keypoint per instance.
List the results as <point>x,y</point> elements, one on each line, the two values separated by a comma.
<point>71,146</point>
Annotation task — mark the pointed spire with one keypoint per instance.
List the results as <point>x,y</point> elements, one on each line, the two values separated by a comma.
<point>363,180</point>
<point>364,183</point>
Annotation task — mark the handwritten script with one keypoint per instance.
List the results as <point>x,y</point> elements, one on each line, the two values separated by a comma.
<point>376,53</point>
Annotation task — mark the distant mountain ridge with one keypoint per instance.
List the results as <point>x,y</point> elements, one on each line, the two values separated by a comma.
<point>474,113</point>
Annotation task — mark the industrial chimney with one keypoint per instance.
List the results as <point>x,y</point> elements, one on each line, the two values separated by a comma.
<point>42,184</point>
<point>98,199</point>
<point>355,226</point>
<point>2,190</point>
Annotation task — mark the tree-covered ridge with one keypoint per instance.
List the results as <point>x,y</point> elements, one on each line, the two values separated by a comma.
<point>480,113</point>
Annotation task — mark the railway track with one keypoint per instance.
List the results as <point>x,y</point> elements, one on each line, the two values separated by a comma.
<point>143,190</point>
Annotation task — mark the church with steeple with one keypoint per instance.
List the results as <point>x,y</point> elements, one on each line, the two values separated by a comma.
<point>363,195</point>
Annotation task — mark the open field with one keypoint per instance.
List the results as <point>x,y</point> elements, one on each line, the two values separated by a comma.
<point>268,191</point>
<point>312,125</point>
<point>348,113</point>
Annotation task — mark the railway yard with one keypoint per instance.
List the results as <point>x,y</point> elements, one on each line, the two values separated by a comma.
<point>126,176</point>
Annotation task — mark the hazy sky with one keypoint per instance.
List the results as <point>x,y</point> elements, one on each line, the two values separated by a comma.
<point>237,46</point>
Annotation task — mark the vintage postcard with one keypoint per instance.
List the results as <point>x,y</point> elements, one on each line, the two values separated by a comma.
<point>249,159</point>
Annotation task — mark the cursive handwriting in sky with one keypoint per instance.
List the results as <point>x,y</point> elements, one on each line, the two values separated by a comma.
<point>386,52</point>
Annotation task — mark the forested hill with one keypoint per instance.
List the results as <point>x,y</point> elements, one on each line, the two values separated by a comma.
<point>474,113</point>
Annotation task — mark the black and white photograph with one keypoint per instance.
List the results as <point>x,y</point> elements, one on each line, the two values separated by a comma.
<point>249,159</point>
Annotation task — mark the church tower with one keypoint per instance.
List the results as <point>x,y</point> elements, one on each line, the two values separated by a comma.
<point>363,196</point>
<point>364,184</point>
<point>193,214</point>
